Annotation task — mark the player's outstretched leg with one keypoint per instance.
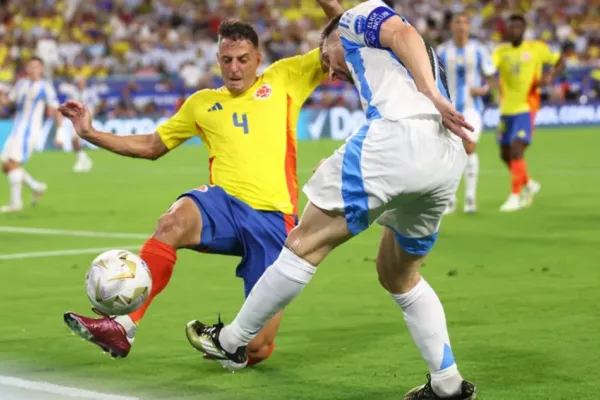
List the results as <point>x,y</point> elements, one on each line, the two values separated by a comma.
<point>17,176</point>
<point>14,175</point>
<point>84,162</point>
<point>398,272</point>
<point>179,228</point>
<point>307,245</point>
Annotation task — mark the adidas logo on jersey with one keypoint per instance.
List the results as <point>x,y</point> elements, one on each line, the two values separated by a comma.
<point>216,107</point>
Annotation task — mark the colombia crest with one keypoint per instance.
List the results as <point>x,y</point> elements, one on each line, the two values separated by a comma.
<point>263,92</point>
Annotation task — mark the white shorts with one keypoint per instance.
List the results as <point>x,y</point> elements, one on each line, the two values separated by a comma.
<point>21,143</point>
<point>473,117</point>
<point>401,174</point>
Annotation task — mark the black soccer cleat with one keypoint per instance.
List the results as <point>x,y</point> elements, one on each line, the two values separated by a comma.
<point>425,392</point>
<point>205,339</point>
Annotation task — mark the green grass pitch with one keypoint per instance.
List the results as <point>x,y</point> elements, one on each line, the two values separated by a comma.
<point>521,291</point>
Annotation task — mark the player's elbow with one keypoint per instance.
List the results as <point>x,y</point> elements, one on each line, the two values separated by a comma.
<point>152,155</point>
<point>153,148</point>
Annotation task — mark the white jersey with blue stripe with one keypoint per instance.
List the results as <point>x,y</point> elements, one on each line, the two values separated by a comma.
<point>385,85</point>
<point>466,68</point>
<point>31,99</point>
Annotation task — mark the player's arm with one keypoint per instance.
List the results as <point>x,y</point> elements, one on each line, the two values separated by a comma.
<point>148,146</point>
<point>558,69</point>
<point>553,58</point>
<point>391,32</point>
<point>332,8</point>
<point>488,70</point>
<point>408,45</point>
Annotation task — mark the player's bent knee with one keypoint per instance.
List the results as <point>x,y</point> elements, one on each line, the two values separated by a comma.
<point>399,259</point>
<point>181,226</point>
<point>9,165</point>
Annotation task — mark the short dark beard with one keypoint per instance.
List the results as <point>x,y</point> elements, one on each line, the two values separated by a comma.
<point>517,42</point>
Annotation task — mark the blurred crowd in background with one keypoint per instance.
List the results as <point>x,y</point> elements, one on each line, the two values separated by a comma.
<point>173,42</point>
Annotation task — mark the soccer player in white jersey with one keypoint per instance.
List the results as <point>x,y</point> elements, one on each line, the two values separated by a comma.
<point>31,96</point>
<point>468,68</point>
<point>80,92</point>
<point>400,169</point>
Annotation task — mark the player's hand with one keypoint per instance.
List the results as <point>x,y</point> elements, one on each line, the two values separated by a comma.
<point>451,118</point>
<point>79,116</point>
<point>548,79</point>
<point>478,91</point>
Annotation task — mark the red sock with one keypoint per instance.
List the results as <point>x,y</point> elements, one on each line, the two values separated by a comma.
<point>524,174</point>
<point>160,258</point>
<point>517,169</point>
<point>252,361</point>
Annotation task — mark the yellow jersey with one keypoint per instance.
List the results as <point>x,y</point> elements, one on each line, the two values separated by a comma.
<point>520,71</point>
<point>251,138</point>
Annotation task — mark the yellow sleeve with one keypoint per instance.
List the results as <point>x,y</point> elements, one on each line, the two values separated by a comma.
<point>547,56</point>
<point>181,126</point>
<point>496,58</point>
<point>301,74</point>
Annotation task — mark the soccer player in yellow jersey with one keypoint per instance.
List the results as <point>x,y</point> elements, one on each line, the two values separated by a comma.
<point>251,201</point>
<point>520,66</point>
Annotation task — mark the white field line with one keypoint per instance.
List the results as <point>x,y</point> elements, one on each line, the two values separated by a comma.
<point>59,390</point>
<point>71,252</point>
<point>67,232</point>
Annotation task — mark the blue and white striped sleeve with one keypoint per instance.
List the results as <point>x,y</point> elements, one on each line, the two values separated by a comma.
<point>486,65</point>
<point>51,97</point>
<point>361,25</point>
<point>14,92</point>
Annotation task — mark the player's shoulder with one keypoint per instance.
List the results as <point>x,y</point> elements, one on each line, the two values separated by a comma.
<point>538,44</point>
<point>48,84</point>
<point>502,47</point>
<point>476,43</point>
<point>361,23</point>
<point>444,46</point>
<point>205,95</point>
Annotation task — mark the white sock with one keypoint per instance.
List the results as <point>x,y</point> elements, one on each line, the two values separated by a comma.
<point>15,180</point>
<point>471,174</point>
<point>279,285</point>
<point>127,323</point>
<point>426,321</point>
<point>82,156</point>
<point>30,182</point>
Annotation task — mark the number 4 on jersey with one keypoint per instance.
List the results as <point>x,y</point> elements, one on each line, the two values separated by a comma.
<point>241,124</point>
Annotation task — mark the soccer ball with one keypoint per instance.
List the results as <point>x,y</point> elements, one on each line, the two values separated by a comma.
<point>118,282</point>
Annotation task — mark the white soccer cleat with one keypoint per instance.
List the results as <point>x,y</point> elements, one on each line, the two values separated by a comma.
<point>83,166</point>
<point>513,203</point>
<point>38,193</point>
<point>529,191</point>
<point>11,208</point>
<point>451,207</point>
<point>470,206</point>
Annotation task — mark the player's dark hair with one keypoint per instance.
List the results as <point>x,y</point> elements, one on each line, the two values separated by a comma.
<point>238,30</point>
<point>389,3</point>
<point>517,18</point>
<point>331,26</point>
<point>460,14</point>
<point>38,59</point>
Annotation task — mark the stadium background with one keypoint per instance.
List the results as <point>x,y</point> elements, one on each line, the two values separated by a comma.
<point>143,57</point>
<point>520,290</point>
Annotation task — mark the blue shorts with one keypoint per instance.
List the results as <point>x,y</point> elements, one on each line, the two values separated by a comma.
<point>231,227</point>
<point>516,127</point>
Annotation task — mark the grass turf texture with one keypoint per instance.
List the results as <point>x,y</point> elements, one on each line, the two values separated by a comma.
<point>521,291</point>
